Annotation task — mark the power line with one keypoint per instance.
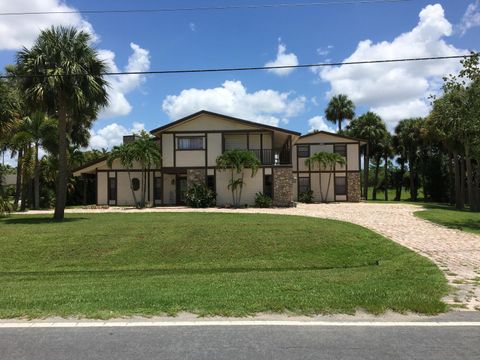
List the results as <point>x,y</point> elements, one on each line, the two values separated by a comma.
<point>253,68</point>
<point>205,8</point>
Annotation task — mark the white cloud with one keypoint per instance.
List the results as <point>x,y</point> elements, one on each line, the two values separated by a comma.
<point>263,106</point>
<point>112,135</point>
<point>19,31</point>
<point>319,123</point>
<point>397,90</point>
<point>139,60</point>
<point>324,51</point>
<point>471,18</point>
<point>283,59</point>
<point>192,26</point>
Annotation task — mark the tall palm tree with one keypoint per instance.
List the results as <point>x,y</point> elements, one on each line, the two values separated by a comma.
<point>237,161</point>
<point>147,152</point>
<point>325,161</point>
<point>35,129</point>
<point>63,75</point>
<point>371,128</point>
<point>340,108</point>
<point>410,135</point>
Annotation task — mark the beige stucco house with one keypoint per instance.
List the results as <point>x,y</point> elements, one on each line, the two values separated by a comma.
<point>191,145</point>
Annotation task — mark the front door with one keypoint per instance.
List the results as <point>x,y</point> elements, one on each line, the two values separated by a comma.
<point>181,189</point>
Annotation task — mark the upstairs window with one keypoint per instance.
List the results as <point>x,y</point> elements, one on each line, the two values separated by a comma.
<point>190,143</point>
<point>340,149</point>
<point>303,151</point>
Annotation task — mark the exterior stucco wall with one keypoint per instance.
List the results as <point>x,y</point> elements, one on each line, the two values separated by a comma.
<point>251,187</point>
<point>214,144</point>
<point>209,122</point>
<point>167,150</point>
<point>186,158</point>
<point>314,183</point>
<point>102,195</point>
<point>353,157</point>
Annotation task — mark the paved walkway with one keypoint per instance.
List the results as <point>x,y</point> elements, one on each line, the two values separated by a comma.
<point>457,253</point>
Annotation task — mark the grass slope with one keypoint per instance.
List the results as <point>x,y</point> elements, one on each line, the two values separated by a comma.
<point>452,218</point>
<point>108,265</point>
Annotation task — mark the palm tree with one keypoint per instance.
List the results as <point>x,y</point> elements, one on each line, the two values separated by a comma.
<point>410,135</point>
<point>340,108</point>
<point>54,78</point>
<point>147,152</point>
<point>371,128</point>
<point>237,161</point>
<point>34,129</point>
<point>124,153</point>
<point>325,161</point>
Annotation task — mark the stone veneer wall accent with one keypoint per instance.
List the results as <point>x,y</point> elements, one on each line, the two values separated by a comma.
<point>195,176</point>
<point>282,186</point>
<point>353,187</point>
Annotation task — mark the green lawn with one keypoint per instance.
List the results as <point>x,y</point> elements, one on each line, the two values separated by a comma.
<point>452,218</point>
<point>108,265</point>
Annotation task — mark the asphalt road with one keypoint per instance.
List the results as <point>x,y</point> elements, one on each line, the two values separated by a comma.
<point>241,342</point>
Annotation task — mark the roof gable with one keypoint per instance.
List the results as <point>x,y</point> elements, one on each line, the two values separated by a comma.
<point>207,120</point>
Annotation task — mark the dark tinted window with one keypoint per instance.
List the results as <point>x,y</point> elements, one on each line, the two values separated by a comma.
<point>211,182</point>
<point>340,185</point>
<point>267,185</point>
<point>303,150</point>
<point>340,149</point>
<point>158,188</point>
<point>303,184</point>
<point>112,188</point>
<point>190,143</point>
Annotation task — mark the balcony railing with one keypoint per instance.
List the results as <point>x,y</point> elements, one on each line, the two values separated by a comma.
<point>264,155</point>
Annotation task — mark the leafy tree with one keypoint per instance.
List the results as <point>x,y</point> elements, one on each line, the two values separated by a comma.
<point>147,152</point>
<point>62,75</point>
<point>237,161</point>
<point>371,128</point>
<point>34,130</point>
<point>410,134</point>
<point>325,161</point>
<point>340,108</point>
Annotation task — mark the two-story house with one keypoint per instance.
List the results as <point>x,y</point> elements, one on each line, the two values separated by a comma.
<point>191,145</point>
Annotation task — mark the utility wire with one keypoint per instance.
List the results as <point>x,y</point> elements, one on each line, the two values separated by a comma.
<point>254,68</point>
<point>205,8</point>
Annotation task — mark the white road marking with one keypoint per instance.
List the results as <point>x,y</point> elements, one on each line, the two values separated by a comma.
<point>86,324</point>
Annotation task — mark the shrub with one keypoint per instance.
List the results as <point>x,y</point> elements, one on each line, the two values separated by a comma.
<point>262,200</point>
<point>5,206</point>
<point>199,196</point>
<point>306,197</point>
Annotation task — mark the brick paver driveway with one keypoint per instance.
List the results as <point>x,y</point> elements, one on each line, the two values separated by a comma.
<point>457,253</point>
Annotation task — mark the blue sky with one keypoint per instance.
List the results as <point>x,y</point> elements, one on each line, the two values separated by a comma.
<point>209,39</point>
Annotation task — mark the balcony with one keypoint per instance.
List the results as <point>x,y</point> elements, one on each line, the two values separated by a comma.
<point>264,155</point>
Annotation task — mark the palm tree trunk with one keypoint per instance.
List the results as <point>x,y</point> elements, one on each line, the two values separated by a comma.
<point>240,191</point>
<point>471,194</point>
<point>399,184</point>
<point>36,177</point>
<point>385,180</point>
<point>477,187</point>
<point>18,184</point>
<point>413,192</point>
<point>462,181</point>
<point>366,165</point>
<point>451,175</point>
<point>328,183</point>
<point>458,201</point>
<point>25,182</point>
<point>339,125</point>
<point>131,188</point>
<point>377,169</point>
<point>233,190</point>
<point>61,186</point>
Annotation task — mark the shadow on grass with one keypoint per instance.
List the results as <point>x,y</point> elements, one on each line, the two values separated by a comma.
<point>35,220</point>
<point>179,271</point>
<point>470,225</point>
